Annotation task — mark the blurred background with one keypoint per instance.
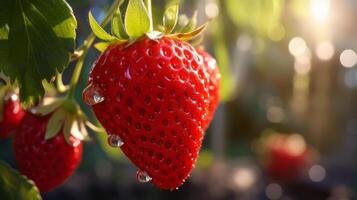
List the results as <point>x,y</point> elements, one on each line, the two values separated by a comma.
<point>287,124</point>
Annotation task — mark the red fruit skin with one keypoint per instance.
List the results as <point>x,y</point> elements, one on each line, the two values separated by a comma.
<point>12,115</point>
<point>214,82</point>
<point>49,163</point>
<point>156,100</point>
<point>285,166</point>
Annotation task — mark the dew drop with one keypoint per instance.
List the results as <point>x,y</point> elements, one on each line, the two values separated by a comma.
<point>115,141</point>
<point>127,73</point>
<point>92,95</point>
<point>143,177</point>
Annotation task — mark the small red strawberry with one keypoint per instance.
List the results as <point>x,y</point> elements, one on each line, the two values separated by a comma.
<point>284,165</point>
<point>47,162</point>
<point>12,114</point>
<point>284,156</point>
<point>214,83</point>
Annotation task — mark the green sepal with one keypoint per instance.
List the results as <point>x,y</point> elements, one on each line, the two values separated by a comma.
<point>181,22</point>
<point>102,46</point>
<point>55,124</point>
<point>78,130</point>
<point>189,35</point>
<point>171,17</point>
<point>191,24</point>
<point>47,106</point>
<point>155,35</point>
<point>75,127</point>
<point>67,129</point>
<point>94,127</point>
<point>137,20</point>
<point>15,186</point>
<point>98,30</point>
<point>117,26</point>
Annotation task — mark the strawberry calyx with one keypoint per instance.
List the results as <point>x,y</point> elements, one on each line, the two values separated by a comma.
<point>138,23</point>
<point>66,115</point>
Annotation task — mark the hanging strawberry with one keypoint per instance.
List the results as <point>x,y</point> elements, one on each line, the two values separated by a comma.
<point>48,141</point>
<point>11,112</point>
<point>150,91</point>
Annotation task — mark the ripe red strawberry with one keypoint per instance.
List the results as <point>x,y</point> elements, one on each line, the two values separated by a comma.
<point>214,83</point>
<point>47,162</point>
<point>12,114</point>
<point>284,165</point>
<point>284,156</point>
<point>153,94</point>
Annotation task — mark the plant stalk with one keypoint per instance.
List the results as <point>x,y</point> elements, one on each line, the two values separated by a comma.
<point>85,47</point>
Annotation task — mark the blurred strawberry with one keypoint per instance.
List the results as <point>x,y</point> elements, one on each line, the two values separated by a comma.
<point>12,113</point>
<point>285,156</point>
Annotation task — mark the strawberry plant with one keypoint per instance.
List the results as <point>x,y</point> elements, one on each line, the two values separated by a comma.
<point>153,92</point>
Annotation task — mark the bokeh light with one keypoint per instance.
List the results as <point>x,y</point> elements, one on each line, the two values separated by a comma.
<point>319,10</point>
<point>317,173</point>
<point>244,178</point>
<point>296,144</point>
<point>273,191</point>
<point>348,58</point>
<point>302,64</point>
<point>297,46</point>
<point>325,50</point>
<point>244,42</point>
<point>211,10</point>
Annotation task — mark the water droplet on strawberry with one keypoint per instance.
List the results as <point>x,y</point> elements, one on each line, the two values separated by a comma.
<point>92,95</point>
<point>143,177</point>
<point>115,141</point>
<point>127,73</point>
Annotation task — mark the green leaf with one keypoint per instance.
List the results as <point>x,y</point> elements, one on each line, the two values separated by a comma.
<point>55,124</point>
<point>102,46</point>
<point>14,186</point>
<point>98,30</point>
<point>118,28</point>
<point>137,21</point>
<point>36,41</point>
<point>171,17</point>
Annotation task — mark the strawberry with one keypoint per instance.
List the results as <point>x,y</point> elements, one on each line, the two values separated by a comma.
<point>284,165</point>
<point>284,156</point>
<point>214,82</point>
<point>149,90</point>
<point>47,162</point>
<point>154,97</point>
<point>12,114</point>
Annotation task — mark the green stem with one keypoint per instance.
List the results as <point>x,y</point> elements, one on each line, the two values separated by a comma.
<point>85,47</point>
<point>61,87</point>
<point>149,8</point>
